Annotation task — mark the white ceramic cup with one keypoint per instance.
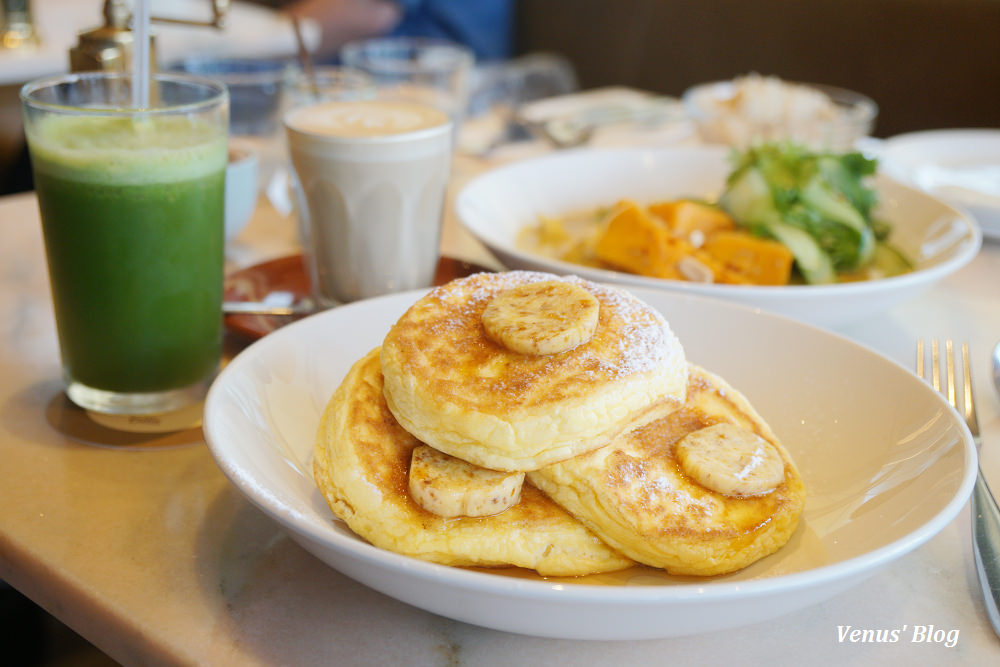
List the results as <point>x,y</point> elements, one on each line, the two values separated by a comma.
<point>241,188</point>
<point>370,180</point>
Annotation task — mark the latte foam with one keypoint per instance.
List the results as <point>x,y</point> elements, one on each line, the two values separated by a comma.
<point>364,118</point>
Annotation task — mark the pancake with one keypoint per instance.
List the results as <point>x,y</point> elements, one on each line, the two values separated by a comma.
<point>361,463</point>
<point>461,392</point>
<point>636,496</point>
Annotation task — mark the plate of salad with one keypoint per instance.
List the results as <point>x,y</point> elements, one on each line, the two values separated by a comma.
<point>821,237</point>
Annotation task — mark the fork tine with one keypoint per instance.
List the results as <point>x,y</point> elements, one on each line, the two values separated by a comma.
<point>935,365</point>
<point>949,361</point>
<point>970,404</point>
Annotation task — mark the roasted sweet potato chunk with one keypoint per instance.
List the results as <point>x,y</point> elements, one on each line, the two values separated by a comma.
<point>685,216</point>
<point>762,261</point>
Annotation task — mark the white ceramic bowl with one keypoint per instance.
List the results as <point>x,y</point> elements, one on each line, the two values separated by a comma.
<point>241,188</point>
<point>497,205</point>
<point>960,166</point>
<point>882,476</point>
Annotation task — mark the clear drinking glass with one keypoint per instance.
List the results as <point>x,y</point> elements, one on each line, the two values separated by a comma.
<point>428,71</point>
<point>131,202</point>
<point>370,178</point>
<point>256,90</point>
<point>327,83</point>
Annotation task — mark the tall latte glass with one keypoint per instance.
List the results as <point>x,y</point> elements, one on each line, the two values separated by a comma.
<point>131,202</point>
<point>370,189</point>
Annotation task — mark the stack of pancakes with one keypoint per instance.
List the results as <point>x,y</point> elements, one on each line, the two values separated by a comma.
<point>557,426</point>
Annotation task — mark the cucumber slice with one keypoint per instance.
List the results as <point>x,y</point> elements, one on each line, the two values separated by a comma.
<point>812,262</point>
<point>889,261</point>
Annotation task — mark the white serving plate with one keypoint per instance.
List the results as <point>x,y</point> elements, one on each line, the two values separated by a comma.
<point>886,461</point>
<point>961,166</point>
<point>497,205</point>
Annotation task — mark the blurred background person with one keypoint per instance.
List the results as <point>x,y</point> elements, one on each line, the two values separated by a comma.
<point>485,26</point>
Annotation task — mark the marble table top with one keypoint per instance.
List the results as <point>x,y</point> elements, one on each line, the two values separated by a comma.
<point>152,555</point>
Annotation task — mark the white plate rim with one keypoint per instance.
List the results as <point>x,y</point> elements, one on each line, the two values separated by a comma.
<point>966,133</point>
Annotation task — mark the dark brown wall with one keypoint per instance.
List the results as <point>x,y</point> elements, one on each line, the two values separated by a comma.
<point>927,63</point>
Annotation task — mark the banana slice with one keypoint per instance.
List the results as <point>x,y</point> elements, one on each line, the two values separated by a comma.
<point>451,487</point>
<point>731,460</point>
<point>539,318</point>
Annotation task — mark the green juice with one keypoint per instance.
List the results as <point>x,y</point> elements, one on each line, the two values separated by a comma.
<point>134,242</point>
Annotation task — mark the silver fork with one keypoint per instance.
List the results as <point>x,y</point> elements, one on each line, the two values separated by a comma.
<point>985,514</point>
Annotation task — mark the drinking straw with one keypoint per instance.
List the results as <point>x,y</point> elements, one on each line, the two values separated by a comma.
<point>140,59</point>
<point>305,59</point>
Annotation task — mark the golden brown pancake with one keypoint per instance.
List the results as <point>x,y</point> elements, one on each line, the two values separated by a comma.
<point>361,462</point>
<point>634,494</point>
<point>460,392</point>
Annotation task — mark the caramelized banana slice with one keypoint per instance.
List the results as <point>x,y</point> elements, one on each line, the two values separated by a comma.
<point>451,487</point>
<point>731,460</point>
<point>544,317</point>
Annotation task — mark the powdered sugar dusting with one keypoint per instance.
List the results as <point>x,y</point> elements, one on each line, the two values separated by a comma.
<point>639,335</point>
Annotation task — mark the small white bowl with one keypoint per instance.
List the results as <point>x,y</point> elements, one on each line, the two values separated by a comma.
<point>241,188</point>
<point>959,165</point>
<point>497,205</point>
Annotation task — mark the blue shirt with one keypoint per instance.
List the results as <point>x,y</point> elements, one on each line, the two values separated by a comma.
<point>485,26</point>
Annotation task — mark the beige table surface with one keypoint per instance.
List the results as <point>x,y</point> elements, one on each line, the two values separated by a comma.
<point>154,557</point>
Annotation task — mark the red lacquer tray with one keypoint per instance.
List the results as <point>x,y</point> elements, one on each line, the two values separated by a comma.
<point>288,274</point>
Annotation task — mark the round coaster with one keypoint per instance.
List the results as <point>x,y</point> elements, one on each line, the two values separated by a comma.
<point>140,432</point>
<point>178,420</point>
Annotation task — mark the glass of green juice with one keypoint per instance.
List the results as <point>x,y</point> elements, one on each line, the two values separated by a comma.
<point>131,202</point>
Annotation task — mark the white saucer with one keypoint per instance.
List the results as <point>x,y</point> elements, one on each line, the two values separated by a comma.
<point>961,166</point>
